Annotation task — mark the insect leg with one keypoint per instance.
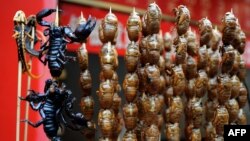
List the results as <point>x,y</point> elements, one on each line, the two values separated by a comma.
<point>37,124</point>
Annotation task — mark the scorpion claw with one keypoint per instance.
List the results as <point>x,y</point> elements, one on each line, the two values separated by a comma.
<point>83,30</point>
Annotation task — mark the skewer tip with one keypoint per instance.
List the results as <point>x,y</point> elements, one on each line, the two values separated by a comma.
<point>57,17</point>
<point>110,10</point>
<point>82,19</point>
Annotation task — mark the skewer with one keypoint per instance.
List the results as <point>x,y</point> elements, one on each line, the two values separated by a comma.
<point>28,88</point>
<point>19,91</point>
<point>19,86</point>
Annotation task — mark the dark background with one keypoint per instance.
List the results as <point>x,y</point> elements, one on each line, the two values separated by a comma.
<point>72,81</point>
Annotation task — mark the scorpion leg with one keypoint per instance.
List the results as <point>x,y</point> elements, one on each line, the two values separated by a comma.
<point>70,58</point>
<point>77,119</point>
<point>63,120</point>
<point>66,58</point>
<point>44,46</point>
<point>42,51</point>
<point>61,61</point>
<point>22,98</point>
<point>42,113</point>
<point>56,139</point>
<point>16,34</point>
<point>75,125</point>
<point>66,123</point>
<point>35,107</point>
<point>61,54</point>
<point>37,124</point>
<point>40,58</point>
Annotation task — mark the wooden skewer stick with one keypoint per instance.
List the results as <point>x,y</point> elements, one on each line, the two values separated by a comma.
<point>27,111</point>
<point>28,88</point>
<point>19,91</point>
<point>19,82</point>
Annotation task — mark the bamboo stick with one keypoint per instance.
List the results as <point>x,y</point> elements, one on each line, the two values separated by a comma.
<point>19,82</point>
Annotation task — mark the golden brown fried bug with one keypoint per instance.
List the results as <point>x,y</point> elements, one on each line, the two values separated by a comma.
<point>182,19</point>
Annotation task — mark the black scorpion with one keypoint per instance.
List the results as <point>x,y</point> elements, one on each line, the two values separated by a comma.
<point>55,46</point>
<point>51,105</point>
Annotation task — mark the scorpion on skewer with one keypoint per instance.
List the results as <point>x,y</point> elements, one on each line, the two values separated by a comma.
<point>55,46</point>
<point>51,106</point>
